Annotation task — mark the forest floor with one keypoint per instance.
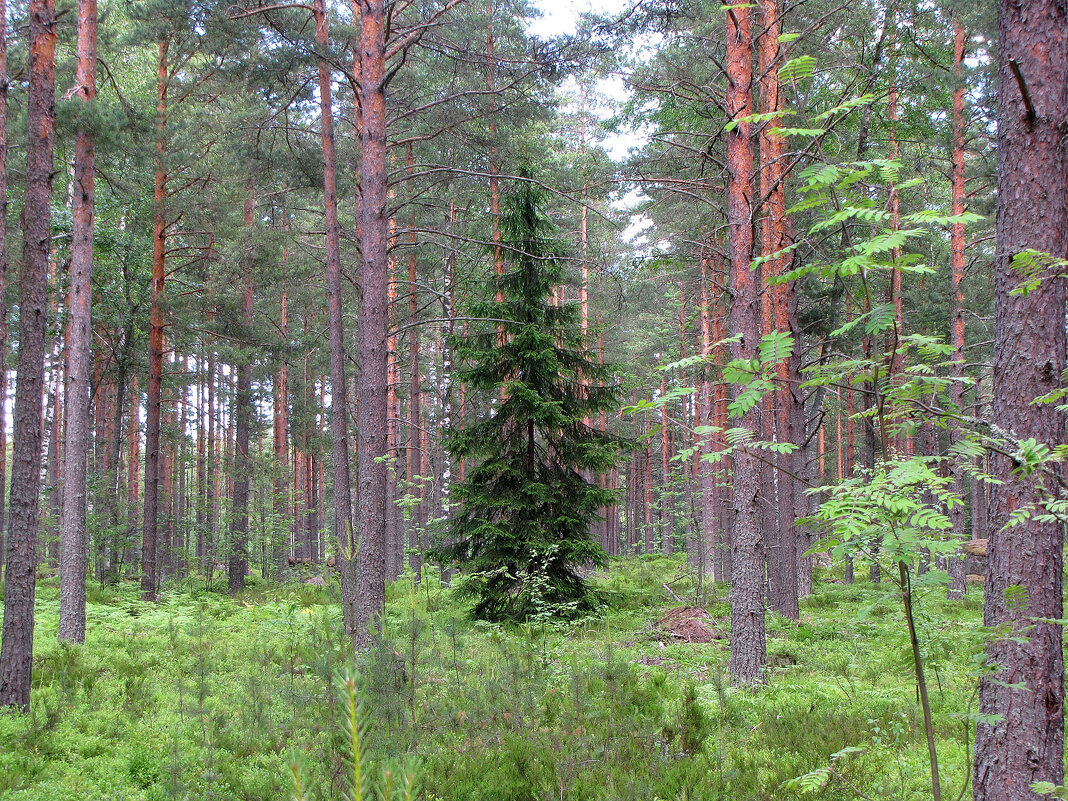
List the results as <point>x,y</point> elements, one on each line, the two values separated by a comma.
<point>206,697</point>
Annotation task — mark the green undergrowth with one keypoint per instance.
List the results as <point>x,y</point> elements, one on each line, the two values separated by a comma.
<point>205,697</point>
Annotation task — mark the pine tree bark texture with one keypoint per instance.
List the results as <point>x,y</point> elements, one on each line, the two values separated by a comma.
<point>374,322</point>
<point>748,648</point>
<point>1026,743</point>
<point>154,390</point>
<point>783,553</point>
<point>73,554</point>
<point>3,274</point>
<point>16,648</point>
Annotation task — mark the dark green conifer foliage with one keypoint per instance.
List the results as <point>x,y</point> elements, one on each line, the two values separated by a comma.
<point>523,527</point>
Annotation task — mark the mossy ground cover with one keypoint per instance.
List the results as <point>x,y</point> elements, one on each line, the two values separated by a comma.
<point>205,697</point>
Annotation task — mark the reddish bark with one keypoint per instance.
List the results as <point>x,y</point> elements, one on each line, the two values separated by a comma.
<point>958,584</point>
<point>374,322</point>
<point>783,556</point>
<point>1025,742</point>
<point>748,647</point>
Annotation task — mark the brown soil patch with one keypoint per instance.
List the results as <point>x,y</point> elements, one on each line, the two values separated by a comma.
<point>689,624</point>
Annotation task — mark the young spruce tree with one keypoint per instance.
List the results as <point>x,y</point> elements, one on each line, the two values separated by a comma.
<point>523,527</point>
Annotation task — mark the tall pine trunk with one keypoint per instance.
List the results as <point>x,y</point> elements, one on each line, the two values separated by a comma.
<point>783,562</point>
<point>16,650</point>
<point>1025,743</point>
<point>374,322</point>
<point>72,524</point>
<point>748,647</point>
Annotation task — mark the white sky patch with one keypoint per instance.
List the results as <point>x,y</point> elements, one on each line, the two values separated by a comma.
<point>560,17</point>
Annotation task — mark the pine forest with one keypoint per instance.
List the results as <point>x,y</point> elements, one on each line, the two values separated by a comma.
<point>533,400</point>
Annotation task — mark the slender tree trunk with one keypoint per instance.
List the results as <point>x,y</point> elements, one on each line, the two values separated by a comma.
<point>212,466</point>
<point>281,447</point>
<point>339,405</point>
<point>1025,742</point>
<point>3,276</point>
<point>667,533</point>
<point>202,470</point>
<point>153,396</point>
<point>16,650</point>
<point>958,585</point>
<point>415,453</point>
<point>374,322</point>
<point>133,463</point>
<point>748,647</point>
<point>394,534</point>
<point>711,534</point>
<point>72,526</point>
<point>444,482</point>
<point>238,562</point>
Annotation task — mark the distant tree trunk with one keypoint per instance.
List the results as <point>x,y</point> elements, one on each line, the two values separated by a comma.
<point>721,491</point>
<point>415,453</point>
<point>212,466</point>
<point>869,450</point>
<point>281,446</point>
<point>1025,742</point>
<point>72,526</point>
<point>394,535</point>
<point>339,402</point>
<point>16,650</point>
<point>133,462</point>
<point>711,534</point>
<point>748,647</point>
<point>238,562</point>
<point>958,585</point>
<point>181,502</point>
<point>980,500</point>
<point>374,322</point>
<point>448,297</point>
<point>153,396</point>
<point>202,472</point>
<point>165,551</point>
<point>667,533</point>
<point>850,444</point>
<point>54,413</point>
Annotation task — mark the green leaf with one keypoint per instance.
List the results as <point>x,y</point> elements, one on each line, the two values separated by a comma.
<point>849,105</point>
<point>797,68</point>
